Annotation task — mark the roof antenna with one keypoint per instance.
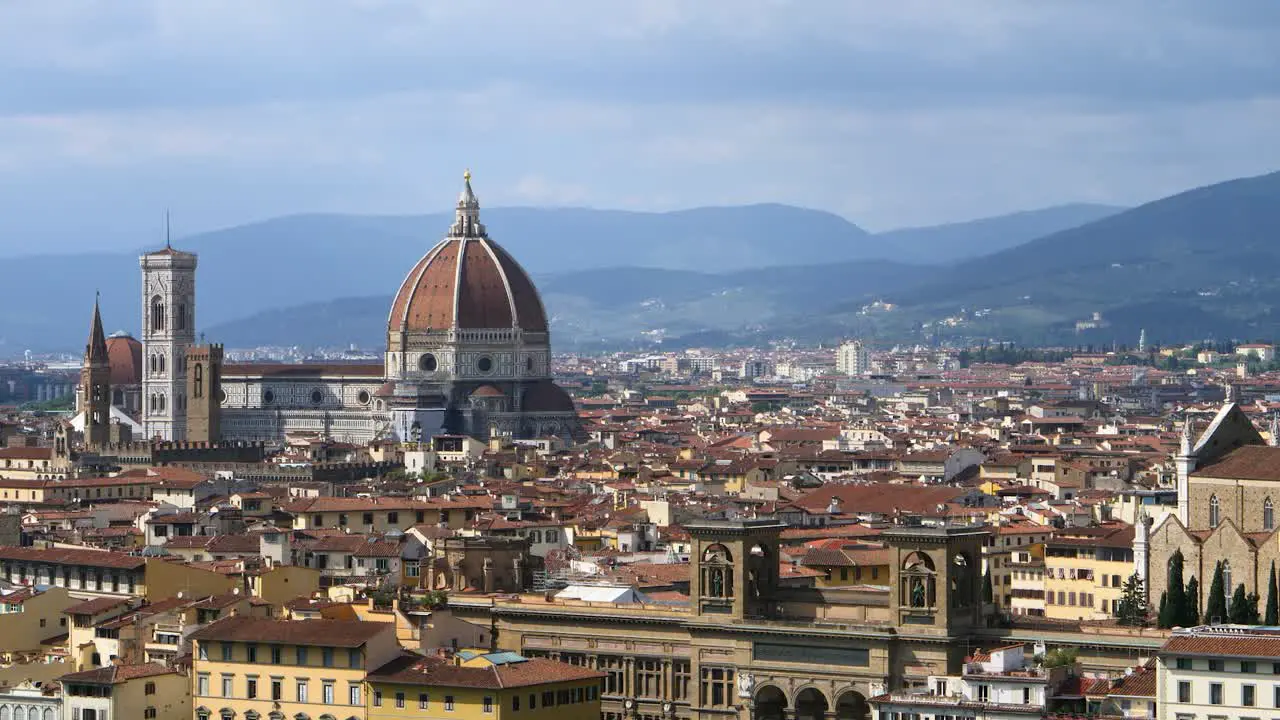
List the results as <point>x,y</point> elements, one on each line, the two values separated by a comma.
<point>166,230</point>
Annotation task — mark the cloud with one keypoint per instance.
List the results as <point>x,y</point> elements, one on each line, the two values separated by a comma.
<point>897,113</point>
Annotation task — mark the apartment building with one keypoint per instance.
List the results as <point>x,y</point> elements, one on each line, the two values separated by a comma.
<point>1002,684</point>
<point>255,669</point>
<point>1221,671</point>
<point>127,692</point>
<point>1085,571</point>
<point>474,685</point>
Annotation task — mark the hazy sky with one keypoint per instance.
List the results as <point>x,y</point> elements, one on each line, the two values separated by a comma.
<point>889,112</point>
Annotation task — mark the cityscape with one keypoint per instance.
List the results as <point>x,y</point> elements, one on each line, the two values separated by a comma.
<point>644,426</point>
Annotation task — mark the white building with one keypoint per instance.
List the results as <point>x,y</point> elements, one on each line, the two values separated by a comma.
<point>1221,671</point>
<point>852,359</point>
<point>996,685</point>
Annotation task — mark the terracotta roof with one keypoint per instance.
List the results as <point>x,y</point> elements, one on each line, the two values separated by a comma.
<point>1251,643</point>
<point>487,391</point>
<point>326,633</point>
<point>112,674</point>
<point>412,669</point>
<point>70,556</point>
<point>1250,462</point>
<point>95,606</point>
<point>25,453</point>
<point>882,498</point>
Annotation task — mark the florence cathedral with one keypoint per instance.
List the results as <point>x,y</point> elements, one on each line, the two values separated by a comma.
<point>468,352</point>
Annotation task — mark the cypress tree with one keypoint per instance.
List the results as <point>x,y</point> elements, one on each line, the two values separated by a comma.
<point>1215,609</point>
<point>1164,620</point>
<point>1273,602</point>
<point>1192,616</point>
<point>986,586</point>
<point>1239,611</point>
<point>1177,590</point>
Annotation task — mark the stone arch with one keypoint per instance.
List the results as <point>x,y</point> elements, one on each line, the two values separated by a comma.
<point>919,582</point>
<point>771,703</point>
<point>5,712</point>
<point>19,713</point>
<point>852,705</point>
<point>962,573</point>
<point>810,703</point>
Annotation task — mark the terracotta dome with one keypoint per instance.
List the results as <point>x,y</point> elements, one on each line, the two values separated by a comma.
<point>467,281</point>
<point>124,355</point>
<point>487,391</point>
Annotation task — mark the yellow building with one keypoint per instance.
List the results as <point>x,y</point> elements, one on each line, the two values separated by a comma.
<point>1085,571</point>
<point>258,669</point>
<point>475,685</point>
<point>29,617</point>
<point>146,691</point>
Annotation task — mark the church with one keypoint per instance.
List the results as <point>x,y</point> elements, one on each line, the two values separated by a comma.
<point>468,352</point>
<point>1228,488</point>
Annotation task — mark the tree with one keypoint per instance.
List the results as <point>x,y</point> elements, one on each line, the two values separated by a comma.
<point>1244,607</point>
<point>1215,609</point>
<point>1133,602</point>
<point>986,586</point>
<point>1273,601</point>
<point>1191,616</point>
<point>1178,603</point>
<point>1163,619</point>
<point>1060,657</point>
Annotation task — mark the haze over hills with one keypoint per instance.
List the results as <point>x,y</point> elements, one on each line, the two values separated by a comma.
<point>962,240</point>
<point>263,268</point>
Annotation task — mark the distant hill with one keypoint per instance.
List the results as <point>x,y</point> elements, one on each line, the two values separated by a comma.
<point>963,240</point>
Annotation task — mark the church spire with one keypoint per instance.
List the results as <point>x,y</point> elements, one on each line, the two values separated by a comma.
<point>1184,447</point>
<point>466,220</point>
<point>95,352</point>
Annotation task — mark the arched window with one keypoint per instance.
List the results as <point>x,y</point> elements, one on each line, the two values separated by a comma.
<point>160,399</point>
<point>1215,512</point>
<point>180,320</point>
<point>1268,515</point>
<point>157,313</point>
<point>4,712</point>
<point>197,375</point>
<point>19,713</point>
<point>160,361</point>
<point>151,361</point>
<point>47,715</point>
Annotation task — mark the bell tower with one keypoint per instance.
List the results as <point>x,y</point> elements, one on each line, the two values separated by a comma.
<point>95,386</point>
<point>735,567</point>
<point>168,331</point>
<point>204,393</point>
<point>935,576</point>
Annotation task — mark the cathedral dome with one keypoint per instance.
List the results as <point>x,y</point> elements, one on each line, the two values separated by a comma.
<point>124,355</point>
<point>467,282</point>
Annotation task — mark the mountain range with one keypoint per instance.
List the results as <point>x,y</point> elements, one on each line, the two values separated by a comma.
<point>318,279</point>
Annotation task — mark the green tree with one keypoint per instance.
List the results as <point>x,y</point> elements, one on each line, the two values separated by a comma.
<point>1163,619</point>
<point>1060,657</point>
<point>1178,603</point>
<point>1191,613</point>
<point>986,586</point>
<point>1273,602</point>
<point>1215,608</point>
<point>1133,602</point>
<point>1244,607</point>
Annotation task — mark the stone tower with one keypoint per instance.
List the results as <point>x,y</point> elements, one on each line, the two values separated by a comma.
<point>734,566</point>
<point>95,386</point>
<point>168,331</point>
<point>935,577</point>
<point>204,393</point>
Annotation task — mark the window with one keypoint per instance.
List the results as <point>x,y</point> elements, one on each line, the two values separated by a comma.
<point>149,689</point>
<point>424,701</point>
<point>1183,664</point>
<point>448,703</point>
<point>1248,695</point>
<point>149,714</point>
<point>718,686</point>
<point>399,699</point>
<point>226,651</point>
<point>548,699</point>
<point>353,694</point>
<point>1275,696</point>
<point>393,518</point>
<point>227,691</point>
<point>302,691</point>
<point>377,698</point>
<point>1215,513</point>
<point>326,692</point>
<point>367,519</point>
<point>648,678</point>
<point>353,658</point>
<point>252,651</point>
<point>277,688</point>
<point>984,693</point>
<point>202,684</point>
<point>1215,666</point>
<point>515,703</point>
<point>1184,692</point>
<point>251,687</point>
<point>1215,693</point>
<point>326,657</point>
<point>533,701</point>
<point>275,654</point>
<point>203,652</point>
<point>488,704</point>
<point>1268,515</point>
<point>1248,666</point>
<point>302,656</point>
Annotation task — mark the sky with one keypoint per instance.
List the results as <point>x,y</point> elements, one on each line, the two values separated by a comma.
<point>889,113</point>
